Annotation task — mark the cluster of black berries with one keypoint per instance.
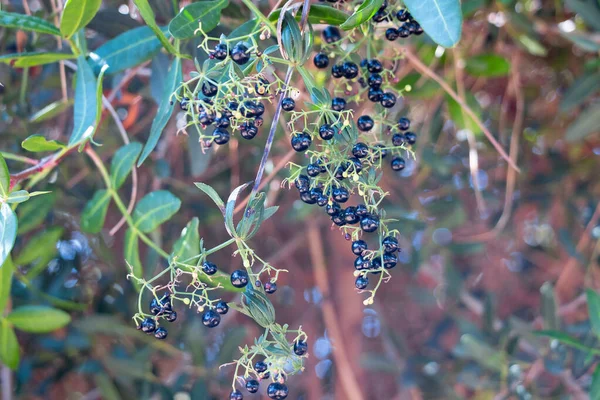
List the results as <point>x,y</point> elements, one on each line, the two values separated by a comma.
<point>388,260</point>
<point>276,390</point>
<point>374,81</point>
<point>398,139</point>
<point>239,53</point>
<point>160,309</point>
<point>407,27</point>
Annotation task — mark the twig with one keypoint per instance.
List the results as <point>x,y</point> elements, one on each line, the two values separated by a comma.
<point>43,165</point>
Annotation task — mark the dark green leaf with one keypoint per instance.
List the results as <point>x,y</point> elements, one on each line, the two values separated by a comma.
<point>245,29</point>
<point>487,65</point>
<point>37,143</point>
<point>212,194</point>
<point>50,111</point>
<point>4,178</point>
<point>188,244</point>
<point>33,212</point>
<point>86,108</point>
<point>165,109</point>
<point>148,16</point>
<point>9,347</point>
<point>41,246</point>
<point>21,60</point>
<point>595,388</point>
<point>318,14</point>
<point>38,319</point>
<point>362,14</point>
<point>440,19</point>
<point>207,13</point>
<point>584,41</point>
<point>568,340</point>
<point>8,231</point>
<point>580,90</point>
<point>589,10</point>
<point>27,23</point>
<point>154,209</point>
<point>107,388</point>
<point>587,123</point>
<point>593,300</point>
<point>291,38</point>
<point>126,50</point>
<point>123,162</point>
<point>77,14</point>
<point>6,273</point>
<point>230,207</point>
<point>460,118</point>
<point>94,212</point>
<point>132,252</point>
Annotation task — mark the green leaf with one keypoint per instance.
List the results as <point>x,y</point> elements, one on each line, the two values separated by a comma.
<point>317,14</point>
<point>595,388</point>
<point>8,231</point>
<point>362,14</point>
<point>33,212</point>
<point>18,196</point>
<point>77,14</point>
<point>21,60</point>
<point>532,45</point>
<point>38,319</point>
<point>487,65</point>
<point>188,244</point>
<point>6,273</point>
<point>94,212</point>
<point>108,390</point>
<point>165,109</point>
<point>584,41</point>
<point>440,19</point>
<point>86,108</point>
<point>587,122</point>
<point>4,178</point>
<point>589,10</point>
<point>50,111</point>
<point>460,118</point>
<point>593,301</point>
<point>212,194</point>
<point>568,340</point>
<point>37,143</point>
<point>27,23</point>
<point>148,16</point>
<point>207,13</point>
<point>580,90</point>
<point>549,307</point>
<point>123,162</point>
<point>154,209</point>
<point>230,207</point>
<point>9,347</point>
<point>41,246</point>
<point>131,252</point>
<point>291,38</point>
<point>481,352</point>
<point>126,50</point>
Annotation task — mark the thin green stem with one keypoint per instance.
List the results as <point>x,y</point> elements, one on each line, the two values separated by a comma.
<point>260,15</point>
<point>24,81</point>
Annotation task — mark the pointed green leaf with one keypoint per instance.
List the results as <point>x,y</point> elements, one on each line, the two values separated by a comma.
<point>131,252</point>
<point>33,212</point>
<point>460,118</point>
<point>595,388</point>
<point>568,340</point>
<point>21,60</point>
<point>188,244</point>
<point>86,108</point>
<point>207,13</point>
<point>18,196</point>
<point>587,122</point>
<point>440,19</point>
<point>589,10</point>
<point>37,143</point>
<point>41,246</point>
<point>487,65</point>
<point>9,347</point>
<point>6,273</point>
<point>362,14</point>
<point>212,194</point>
<point>123,162</point>
<point>50,111</point>
<point>77,14</point>
<point>4,178</point>
<point>165,109</point>
<point>154,209</point>
<point>38,319</point>
<point>230,207</point>
<point>148,16</point>
<point>317,14</point>
<point>94,212</point>
<point>27,23</point>
<point>8,231</point>
<point>593,300</point>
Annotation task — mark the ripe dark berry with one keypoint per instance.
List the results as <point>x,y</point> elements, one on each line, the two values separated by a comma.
<point>338,104</point>
<point>398,163</point>
<point>361,210</point>
<point>375,81</point>
<point>388,100</point>
<point>222,307</point>
<point>184,104</point>
<point>374,66</point>
<point>301,141</point>
<point>209,89</point>
<point>360,150</point>
<point>288,104</point>
<point>362,82</point>
<point>358,246</point>
<point>148,325</point>
<point>398,139</point>
<point>412,26</point>
<point>307,198</point>
<point>340,194</point>
<point>209,268</point>
<point>391,34</point>
<point>236,395</point>
<point>326,132</point>
<point>206,117</point>
<point>389,260</point>
<point>248,131</point>
<point>365,123</point>
<point>361,263</point>
<point>171,317</point>
<point>369,223</point>
<point>380,16</point>
<point>338,219</point>
<point>221,136</point>
<point>403,32</point>
<point>239,54</point>
<point>260,366</point>
<point>262,86</point>
<point>339,172</point>
<point>404,124</point>
<point>361,282</point>
<point>160,333</point>
<point>382,150</point>
<point>277,391</point>
<point>302,183</point>
<point>322,200</point>
<point>239,278</point>
<point>418,30</point>
<point>331,34</point>
<point>220,51</point>
<point>321,60</point>
<point>357,164</point>
<point>315,193</point>
<point>252,385</point>
<point>350,215</point>
<point>155,307</point>
<point>350,70</point>
<point>333,209</point>
<point>337,71</point>
<point>403,15</point>
<point>270,287</point>
<point>300,347</point>
<point>211,318</point>
<point>375,95</point>
<point>390,244</point>
<point>411,138</point>
<point>222,122</point>
<point>313,170</point>
<point>252,109</point>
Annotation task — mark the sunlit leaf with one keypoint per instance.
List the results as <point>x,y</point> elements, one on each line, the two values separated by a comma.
<point>207,13</point>
<point>362,14</point>
<point>77,14</point>
<point>154,209</point>
<point>27,23</point>
<point>21,60</point>
<point>85,109</point>
<point>38,319</point>
<point>9,347</point>
<point>37,143</point>
<point>8,231</point>
<point>94,212</point>
<point>123,162</point>
<point>440,19</point>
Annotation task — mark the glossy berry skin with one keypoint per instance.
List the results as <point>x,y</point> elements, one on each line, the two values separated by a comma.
<point>361,210</point>
<point>388,100</point>
<point>313,170</point>
<point>300,347</point>
<point>160,333</point>
<point>184,104</point>
<point>357,164</point>
<point>222,307</point>
<point>239,278</point>
<point>322,200</point>
<point>270,287</point>
<point>321,60</point>
<point>302,183</point>
<point>361,282</point>
<point>307,198</point>
<point>155,307</point>
<point>361,263</point>
<point>209,268</point>
<point>339,172</point>
<point>211,318</point>
<point>418,30</point>
<point>350,215</point>
<point>206,118</point>
<point>252,109</point>
<point>333,209</point>
<point>412,26</point>
<point>301,141</point>
<point>221,136</point>
<point>375,95</point>
<point>389,260</point>
<point>403,32</point>
<point>331,34</point>
<point>338,219</point>
<point>360,150</point>
<point>338,104</point>
<point>374,66</point>
<point>239,54</point>
<point>288,104</point>
<point>260,366</point>
<point>411,138</point>
<point>248,131</point>
<point>380,16</point>
<point>350,70</point>
<point>403,15</point>
<point>398,139</point>
<point>222,122</point>
<point>337,71</point>
<point>365,123</point>
<point>391,34</point>
<point>326,132</point>
<point>340,194</point>
<point>220,51</point>
<point>209,89</point>
<point>315,193</point>
<point>236,395</point>
<point>404,124</point>
<point>382,153</point>
<point>358,246</point>
<point>171,317</point>
<point>369,223</point>
<point>375,81</point>
<point>252,385</point>
<point>398,163</point>
<point>148,325</point>
<point>390,244</point>
<point>277,391</point>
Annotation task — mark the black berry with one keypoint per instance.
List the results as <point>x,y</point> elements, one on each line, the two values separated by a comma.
<point>300,347</point>
<point>375,94</point>
<point>338,104</point>
<point>277,391</point>
<point>398,139</point>
<point>358,246</point>
<point>390,244</point>
<point>301,141</point>
<point>239,278</point>
<point>374,65</point>
<point>326,132</point>
<point>337,71</point>
<point>236,395</point>
<point>321,60</point>
<point>209,268</point>
<point>288,104</point>
<point>171,317</point>
<point>220,51</point>
<point>360,150</point>
<point>369,223</point>
<point>411,138</point>
<point>365,123</point>
<point>333,209</point>
<point>302,183</point>
<point>155,307</point>
<point>313,170</point>
<point>375,81</point>
<point>361,282</point>
<point>340,194</point>
<point>398,163</point>
<point>148,325</point>
<point>221,136</point>
<point>209,89</point>
<point>331,34</point>
<point>270,287</point>
<point>350,70</point>
<point>350,215</point>
<point>391,34</point>
<point>222,307</point>
<point>388,100</point>
<point>160,333</point>
<point>211,318</point>
<point>404,124</point>
<point>239,54</point>
<point>252,385</point>
<point>389,260</point>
